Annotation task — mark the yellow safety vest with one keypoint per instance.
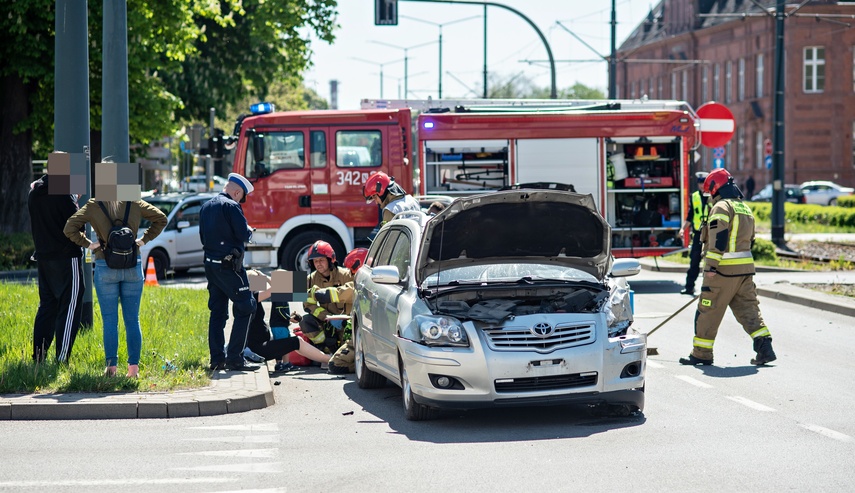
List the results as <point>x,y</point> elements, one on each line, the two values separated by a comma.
<point>699,211</point>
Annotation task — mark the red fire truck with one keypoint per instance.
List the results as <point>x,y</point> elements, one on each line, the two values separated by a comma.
<point>634,157</point>
<point>308,168</point>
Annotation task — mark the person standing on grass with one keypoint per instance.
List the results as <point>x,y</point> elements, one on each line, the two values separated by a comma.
<point>224,231</point>
<point>60,272</point>
<point>115,286</point>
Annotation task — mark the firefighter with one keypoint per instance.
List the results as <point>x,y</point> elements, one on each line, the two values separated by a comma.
<point>696,218</point>
<point>330,293</point>
<point>355,259</point>
<point>728,273</point>
<point>382,190</point>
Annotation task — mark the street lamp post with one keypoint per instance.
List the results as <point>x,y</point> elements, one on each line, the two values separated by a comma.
<point>439,25</point>
<point>406,57</point>
<point>381,69</point>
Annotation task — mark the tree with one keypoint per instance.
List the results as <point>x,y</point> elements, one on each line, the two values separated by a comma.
<point>519,86</point>
<point>184,57</point>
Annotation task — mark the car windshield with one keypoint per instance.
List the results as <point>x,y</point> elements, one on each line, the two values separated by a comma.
<point>506,272</point>
<point>165,206</point>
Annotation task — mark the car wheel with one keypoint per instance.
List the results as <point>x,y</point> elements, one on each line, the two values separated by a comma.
<point>295,253</point>
<point>833,201</point>
<point>161,263</point>
<point>366,378</point>
<point>412,409</point>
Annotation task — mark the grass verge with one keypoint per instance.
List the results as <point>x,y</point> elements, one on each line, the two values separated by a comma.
<point>174,352</point>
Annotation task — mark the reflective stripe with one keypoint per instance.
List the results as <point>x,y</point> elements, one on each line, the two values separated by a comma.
<point>720,217</point>
<point>317,311</point>
<point>761,332</point>
<point>738,261</point>
<point>333,295</point>
<point>736,255</point>
<point>703,343</point>
<point>713,256</point>
<point>319,338</point>
<point>734,232</point>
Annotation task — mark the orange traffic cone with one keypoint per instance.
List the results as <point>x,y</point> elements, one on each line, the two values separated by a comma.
<point>151,274</point>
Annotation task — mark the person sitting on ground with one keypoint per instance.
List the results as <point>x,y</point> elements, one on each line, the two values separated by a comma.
<point>330,293</point>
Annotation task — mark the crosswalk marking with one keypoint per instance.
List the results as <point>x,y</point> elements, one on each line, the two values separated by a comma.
<point>836,435</point>
<point>111,482</point>
<point>266,453</point>
<point>695,382</point>
<point>653,364</point>
<point>265,467</point>
<point>749,403</point>
<point>258,427</point>
<point>239,439</point>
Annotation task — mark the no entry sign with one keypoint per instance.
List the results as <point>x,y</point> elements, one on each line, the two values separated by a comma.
<point>717,124</point>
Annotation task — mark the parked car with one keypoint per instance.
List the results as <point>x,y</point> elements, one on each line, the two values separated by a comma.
<point>793,193</point>
<point>824,192</point>
<point>494,303</point>
<point>178,247</point>
<point>197,183</point>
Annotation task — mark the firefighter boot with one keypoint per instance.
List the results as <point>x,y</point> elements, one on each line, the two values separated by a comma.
<point>765,353</point>
<point>695,361</point>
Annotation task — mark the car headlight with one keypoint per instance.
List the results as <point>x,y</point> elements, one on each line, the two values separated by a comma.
<point>441,331</point>
<point>618,311</point>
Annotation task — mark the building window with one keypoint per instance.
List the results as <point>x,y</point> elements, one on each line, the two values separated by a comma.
<point>673,85</point>
<point>814,69</point>
<point>758,83</point>
<point>705,84</point>
<point>759,151</point>
<point>740,91</point>
<point>740,148</point>
<point>716,91</point>
<point>728,81</point>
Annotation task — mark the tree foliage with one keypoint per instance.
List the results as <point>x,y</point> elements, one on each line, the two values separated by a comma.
<point>518,86</point>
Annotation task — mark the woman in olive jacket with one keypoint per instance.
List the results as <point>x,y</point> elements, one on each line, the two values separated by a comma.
<point>112,285</point>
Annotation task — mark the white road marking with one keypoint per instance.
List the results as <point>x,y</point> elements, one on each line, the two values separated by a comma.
<point>239,439</point>
<point>267,467</point>
<point>267,453</point>
<point>268,490</point>
<point>261,427</point>
<point>836,435</point>
<point>694,381</point>
<point>653,364</point>
<point>749,403</point>
<point>111,482</point>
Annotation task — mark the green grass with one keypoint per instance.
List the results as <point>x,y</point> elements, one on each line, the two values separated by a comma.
<point>174,351</point>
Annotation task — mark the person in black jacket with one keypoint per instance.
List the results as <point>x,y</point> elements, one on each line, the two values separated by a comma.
<point>60,272</point>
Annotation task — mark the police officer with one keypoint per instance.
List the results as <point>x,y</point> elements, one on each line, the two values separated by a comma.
<point>330,293</point>
<point>728,273</point>
<point>224,231</point>
<point>382,190</point>
<point>696,218</point>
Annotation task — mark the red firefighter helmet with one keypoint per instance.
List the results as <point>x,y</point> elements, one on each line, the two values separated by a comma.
<point>322,249</point>
<point>715,180</point>
<point>356,259</point>
<point>376,184</point>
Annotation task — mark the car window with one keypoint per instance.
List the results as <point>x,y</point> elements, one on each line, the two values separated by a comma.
<point>164,206</point>
<point>400,255</point>
<point>358,148</point>
<point>188,212</point>
<point>318,151</point>
<point>385,253</point>
<point>281,150</point>
<point>374,250</point>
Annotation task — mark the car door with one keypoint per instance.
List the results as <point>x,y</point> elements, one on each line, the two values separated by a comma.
<point>365,302</point>
<point>396,252</point>
<point>188,244</point>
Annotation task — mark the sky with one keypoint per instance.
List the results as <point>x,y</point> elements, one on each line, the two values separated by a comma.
<point>361,49</point>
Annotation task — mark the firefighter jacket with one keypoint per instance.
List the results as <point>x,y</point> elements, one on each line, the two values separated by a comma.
<point>728,237</point>
<point>700,210</point>
<point>394,204</point>
<point>341,282</point>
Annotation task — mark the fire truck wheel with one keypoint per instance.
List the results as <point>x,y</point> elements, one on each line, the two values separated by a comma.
<point>295,252</point>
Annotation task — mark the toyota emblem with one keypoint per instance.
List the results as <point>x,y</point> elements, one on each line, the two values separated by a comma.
<point>542,329</point>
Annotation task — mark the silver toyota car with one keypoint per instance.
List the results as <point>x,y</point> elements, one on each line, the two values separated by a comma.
<point>509,298</point>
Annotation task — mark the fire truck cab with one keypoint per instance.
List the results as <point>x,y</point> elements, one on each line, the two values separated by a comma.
<point>308,169</point>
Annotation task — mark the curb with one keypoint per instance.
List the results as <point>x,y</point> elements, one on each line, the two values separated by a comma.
<point>229,392</point>
<point>807,297</point>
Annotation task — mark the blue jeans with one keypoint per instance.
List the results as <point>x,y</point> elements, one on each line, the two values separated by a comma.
<point>113,285</point>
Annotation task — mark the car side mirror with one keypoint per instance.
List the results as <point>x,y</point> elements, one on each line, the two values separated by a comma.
<point>182,224</point>
<point>624,267</point>
<point>385,274</point>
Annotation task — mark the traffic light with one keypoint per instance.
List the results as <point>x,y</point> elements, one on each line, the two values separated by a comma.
<point>385,12</point>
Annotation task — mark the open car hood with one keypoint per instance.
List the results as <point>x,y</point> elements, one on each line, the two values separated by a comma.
<point>541,226</point>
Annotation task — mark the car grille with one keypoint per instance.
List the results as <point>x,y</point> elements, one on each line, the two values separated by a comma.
<point>516,338</point>
<point>553,382</point>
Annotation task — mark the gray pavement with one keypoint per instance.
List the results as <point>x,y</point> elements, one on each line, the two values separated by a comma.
<point>233,392</point>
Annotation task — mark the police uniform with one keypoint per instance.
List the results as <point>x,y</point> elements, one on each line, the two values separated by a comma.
<point>727,238</point>
<point>224,231</point>
<point>697,216</point>
<point>314,324</point>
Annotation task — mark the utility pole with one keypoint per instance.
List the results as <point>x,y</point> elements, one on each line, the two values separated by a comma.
<point>613,57</point>
<point>778,140</point>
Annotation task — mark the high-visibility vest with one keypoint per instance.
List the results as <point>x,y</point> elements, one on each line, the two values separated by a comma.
<point>700,211</point>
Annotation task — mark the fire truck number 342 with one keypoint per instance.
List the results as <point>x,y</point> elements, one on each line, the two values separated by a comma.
<point>351,177</point>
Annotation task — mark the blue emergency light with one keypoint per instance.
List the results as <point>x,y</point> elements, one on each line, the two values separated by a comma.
<point>262,108</point>
<point>428,125</point>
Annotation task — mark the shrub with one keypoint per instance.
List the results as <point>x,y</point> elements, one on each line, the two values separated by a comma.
<point>15,251</point>
<point>764,250</point>
<point>846,201</point>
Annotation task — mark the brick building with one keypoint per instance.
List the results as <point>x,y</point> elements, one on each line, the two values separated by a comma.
<point>699,51</point>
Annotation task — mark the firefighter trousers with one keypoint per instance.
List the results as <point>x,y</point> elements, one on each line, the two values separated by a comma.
<point>717,293</point>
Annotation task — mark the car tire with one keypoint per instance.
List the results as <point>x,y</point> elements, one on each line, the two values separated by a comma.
<point>161,263</point>
<point>413,411</point>
<point>833,201</point>
<point>294,253</point>
<point>366,378</point>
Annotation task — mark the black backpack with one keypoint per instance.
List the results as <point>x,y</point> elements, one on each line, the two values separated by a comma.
<point>120,250</point>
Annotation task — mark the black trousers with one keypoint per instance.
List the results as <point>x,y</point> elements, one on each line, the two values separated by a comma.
<point>225,284</point>
<point>694,261</point>
<point>60,305</point>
